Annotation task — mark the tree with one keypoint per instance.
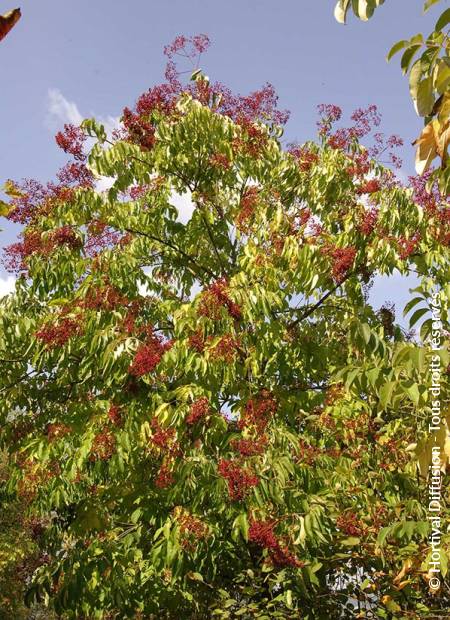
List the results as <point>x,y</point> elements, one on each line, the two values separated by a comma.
<point>210,418</point>
<point>429,85</point>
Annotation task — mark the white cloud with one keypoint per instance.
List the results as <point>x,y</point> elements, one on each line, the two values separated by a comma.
<point>61,111</point>
<point>6,285</point>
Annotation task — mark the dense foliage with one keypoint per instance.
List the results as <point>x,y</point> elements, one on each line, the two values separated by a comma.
<point>206,417</point>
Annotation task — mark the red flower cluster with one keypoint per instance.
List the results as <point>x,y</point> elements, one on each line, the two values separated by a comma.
<point>57,334</point>
<point>262,534</point>
<point>100,236</point>
<point>197,342</point>
<point>258,411</point>
<point>249,447</point>
<point>343,259</point>
<point>369,221</point>
<point>114,415</point>
<point>71,140</point>
<point>164,477</point>
<point>218,160</point>
<point>225,349</point>
<point>162,437</point>
<point>55,431</point>
<point>105,297</point>
<point>350,524</point>
<point>247,206</point>
<point>240,480</point>
<point>364,121</point>
<point>369,187</point>
<point>406,247</point>
<point>103,446</point>
<point>191,529</point>
<point>188,46</point>
<point>308,453</point>
<point>73,173</point>
<point>198,410</point>
<point>304,157</point>
<point>66,236</point>
<point>148,355</point>
<point>216,297</point>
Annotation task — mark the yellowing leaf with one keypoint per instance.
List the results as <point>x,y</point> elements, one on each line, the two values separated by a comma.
<point>11,189</point>
<point>8,21</point>
<point>405,570</point>
<point>5,208</point>
<point>427,146</point>
<point>340,10</point>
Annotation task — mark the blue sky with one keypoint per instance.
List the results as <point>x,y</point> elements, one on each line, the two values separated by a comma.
<point>87,57</point>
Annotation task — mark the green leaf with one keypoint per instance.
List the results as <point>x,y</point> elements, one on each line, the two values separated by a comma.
<point>443,20</point>
<point>428,4</point>
<point>425,99</point>
<point>385,393</point>
<point>414,78</point>
<point>396,48</point>
<point>410,305</point>
<point>407,57</point>
<point>351,541</point>
<point>413,392</point>
<point>442,80</point>
<point>418,314</point>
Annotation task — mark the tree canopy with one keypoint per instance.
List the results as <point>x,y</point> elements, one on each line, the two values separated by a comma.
<point>207,418</point>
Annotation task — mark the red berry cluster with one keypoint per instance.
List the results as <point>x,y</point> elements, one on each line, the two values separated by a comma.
<point>258,411</point>
<point>105,297</point>
<point>343,259</point>
<point>406,247</point>
<point>100,236</point>
<point>215,298</point>
<point>35,477</point>
<point>164,477</point>
<point>71,141</point>
<point>103,446</point>
<point>197,341</point>
<point>114,415</point>
<point>350,524</point>
<point>247,207</point>
<point>262,534</point>
<point>369,221</point>
<point>219,160</point>
<point>55,431</point>
<point>225,349</point>
<point>249,447</point>
<point>164,438</point>
<point>148,355</point>
<point>58,333</point>
<point>66,236</point>
<point>369,187</point>
<point>240,480</point>
<point>304,157</point>
<point>333,394</point>
<point>198,410</point>
<point>191,529</point>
